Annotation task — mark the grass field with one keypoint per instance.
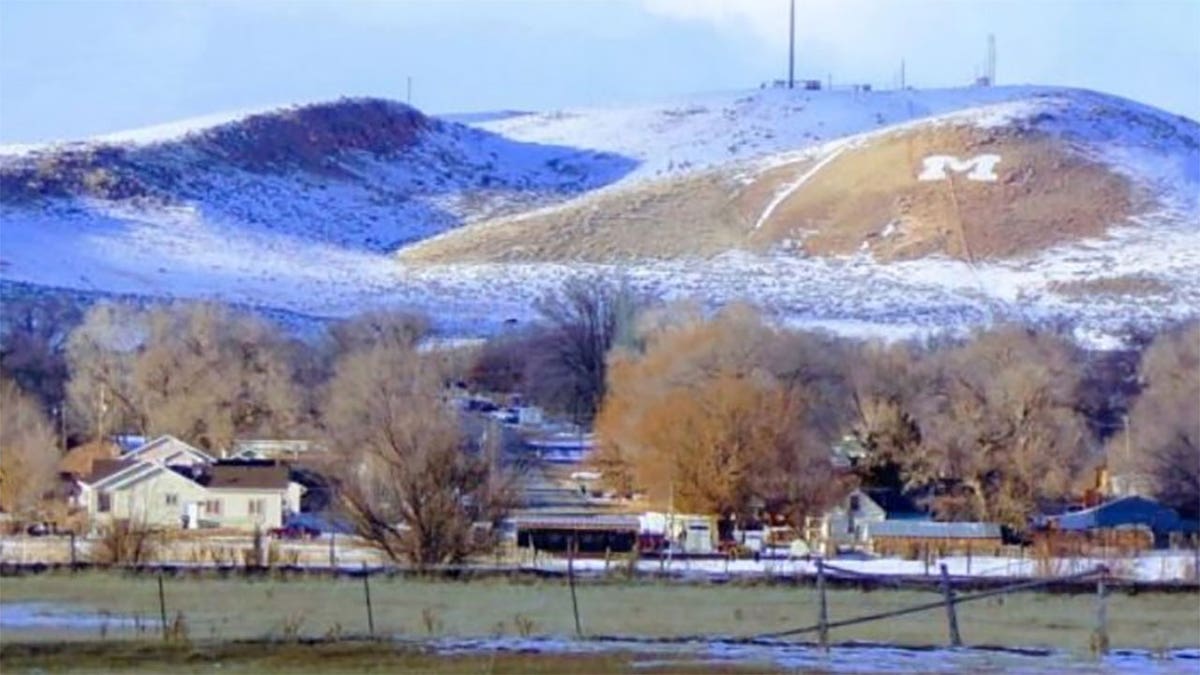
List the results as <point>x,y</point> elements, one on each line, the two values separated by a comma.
<point>216,609</point>
<point>340,657</point>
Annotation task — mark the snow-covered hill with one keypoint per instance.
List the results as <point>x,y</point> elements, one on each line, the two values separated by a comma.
<point>358,174</point>
<point>299,209</point>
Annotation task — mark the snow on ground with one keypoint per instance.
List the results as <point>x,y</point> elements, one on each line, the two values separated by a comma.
<point>790,656</point>
<point>177,252</point>
<point>696,132</point>
<point>1155,566</point>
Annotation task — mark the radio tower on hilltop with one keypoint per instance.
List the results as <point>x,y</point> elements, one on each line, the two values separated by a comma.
<point>991,60</point>
<point>792,45</point>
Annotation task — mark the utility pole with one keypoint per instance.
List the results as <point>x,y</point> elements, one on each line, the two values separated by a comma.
<point>991,65</point>
<point>62,426</point>
<point>901,74</point>
<point>408,94</point>
<point>792,45</point>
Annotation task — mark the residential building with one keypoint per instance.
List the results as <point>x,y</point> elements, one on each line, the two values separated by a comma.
<point>170,451</point>
<point>168,483</point>
<point>845,525</point>
<point>245,496</point>
<point>144,492</point>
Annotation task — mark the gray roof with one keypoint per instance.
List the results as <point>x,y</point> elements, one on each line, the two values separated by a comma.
<point>928,529</point>
<point>567,522</point>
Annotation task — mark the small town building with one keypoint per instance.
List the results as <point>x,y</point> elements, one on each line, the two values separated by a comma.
<point>590,534</point>
<point>273,449</point>
<point>170,451</point>
<point>912,538</point>
<point>78,461</point>
<point>845,525</point>
<point>143,492</point>
<point>1128,522</point>
<point>168,483</point>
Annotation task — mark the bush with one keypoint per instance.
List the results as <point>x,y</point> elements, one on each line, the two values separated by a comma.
<point>127,542</point>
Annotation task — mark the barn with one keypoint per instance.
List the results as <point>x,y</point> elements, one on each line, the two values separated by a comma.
<point>1130,522</point>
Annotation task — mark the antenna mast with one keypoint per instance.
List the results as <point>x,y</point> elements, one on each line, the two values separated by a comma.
<point>991,59</point>
<point>792,45</point>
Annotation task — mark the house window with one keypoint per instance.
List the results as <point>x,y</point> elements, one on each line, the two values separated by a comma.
<point>258,507</point>
<point>212,507</point>
<point>171,499</point>
<point>105,504</point>
<point>855,504</point>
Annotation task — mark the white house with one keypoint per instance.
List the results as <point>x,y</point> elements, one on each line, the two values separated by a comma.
<point>170,451</point>
<point>168,483</point>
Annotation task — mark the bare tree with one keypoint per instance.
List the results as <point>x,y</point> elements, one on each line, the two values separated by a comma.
<point>398,329</point>
<point>207,375</point>
<point>582,322</point>
<point>28,452</point>
<point>195,370</point>
<point>101,353</point>
<point>885,383</point>
<point>999,421</point>
<point>33,341</point>
<point>408,479</point>
<point>502,363</point>
<point>1165,421</point>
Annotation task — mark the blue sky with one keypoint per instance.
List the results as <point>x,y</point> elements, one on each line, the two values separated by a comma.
<point>71,69</point>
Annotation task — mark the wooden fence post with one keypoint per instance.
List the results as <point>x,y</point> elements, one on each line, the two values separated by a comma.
<point>1100,640</point>
<point>822,607</point>
<point>73,559</point>
<point>332,550</point>
<point>571,547</point>
<point>367,593</point>
<point>162,606</point>
<point>951,613</point>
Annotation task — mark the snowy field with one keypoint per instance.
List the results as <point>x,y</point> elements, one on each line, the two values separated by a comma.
<point>1155,566</point>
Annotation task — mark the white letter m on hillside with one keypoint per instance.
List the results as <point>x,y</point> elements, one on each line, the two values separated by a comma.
<point>979,167</point>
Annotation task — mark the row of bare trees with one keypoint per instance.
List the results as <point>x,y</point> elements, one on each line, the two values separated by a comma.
<point>723,413</point>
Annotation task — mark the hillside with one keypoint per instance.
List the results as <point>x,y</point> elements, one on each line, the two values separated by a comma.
<point>357,173</point>
<point>807,203</point>
<point>1050,170</point>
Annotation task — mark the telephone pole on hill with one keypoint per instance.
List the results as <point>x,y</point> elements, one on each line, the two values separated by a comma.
<point>792,45</point>
<point>991,60</point>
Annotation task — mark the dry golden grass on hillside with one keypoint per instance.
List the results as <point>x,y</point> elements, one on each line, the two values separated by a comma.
<point>1044,196</point>
<point>867,198</point>
<point>693,216</point>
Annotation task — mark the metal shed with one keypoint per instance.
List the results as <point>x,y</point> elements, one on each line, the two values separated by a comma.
<point>1124,514</point>
<point>908,537</point>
